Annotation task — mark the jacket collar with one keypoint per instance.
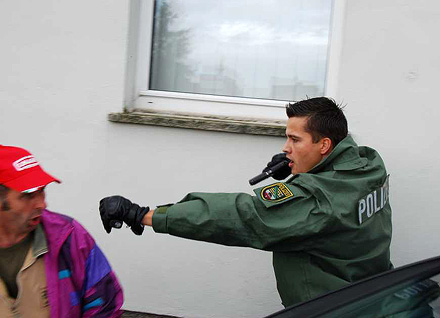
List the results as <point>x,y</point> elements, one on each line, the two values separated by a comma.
<point>57,228</point>
<point>345,156</point>
<point>39,244</point>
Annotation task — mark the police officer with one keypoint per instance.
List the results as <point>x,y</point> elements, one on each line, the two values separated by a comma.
<point>328,225</point>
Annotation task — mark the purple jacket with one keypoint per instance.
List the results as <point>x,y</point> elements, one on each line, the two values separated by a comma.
<point>80,281</point>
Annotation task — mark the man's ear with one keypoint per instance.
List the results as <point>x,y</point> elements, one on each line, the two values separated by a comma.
<point>326,146</point>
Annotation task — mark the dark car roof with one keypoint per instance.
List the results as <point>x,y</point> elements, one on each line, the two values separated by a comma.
<point>389,281</point>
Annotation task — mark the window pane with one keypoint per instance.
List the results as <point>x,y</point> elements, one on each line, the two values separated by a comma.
<point>272,49</point>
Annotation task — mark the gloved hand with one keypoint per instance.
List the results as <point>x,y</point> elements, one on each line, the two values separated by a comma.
<point>282,173</point>
<point>117,208</point>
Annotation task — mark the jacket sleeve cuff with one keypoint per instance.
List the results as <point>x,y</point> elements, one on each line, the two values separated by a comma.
<point>160,219</point>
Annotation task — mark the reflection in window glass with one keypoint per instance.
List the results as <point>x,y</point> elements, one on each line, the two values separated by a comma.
<point>272,49</point>
<point>416,299</point>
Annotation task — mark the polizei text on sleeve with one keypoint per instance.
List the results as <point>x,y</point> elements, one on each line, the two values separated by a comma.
<point>373,202</point>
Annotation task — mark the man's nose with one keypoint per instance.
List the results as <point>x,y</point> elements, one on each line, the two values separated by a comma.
<point>286,147</point>
<point>40,202</point>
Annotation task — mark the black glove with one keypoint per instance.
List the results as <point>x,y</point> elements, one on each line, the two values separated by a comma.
<point>282,173</point>
<point>117,208</point>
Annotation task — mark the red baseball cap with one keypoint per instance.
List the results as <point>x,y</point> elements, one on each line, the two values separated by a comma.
<point>20,171</point>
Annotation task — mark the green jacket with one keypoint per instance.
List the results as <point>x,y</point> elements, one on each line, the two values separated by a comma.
<point>326,228</point>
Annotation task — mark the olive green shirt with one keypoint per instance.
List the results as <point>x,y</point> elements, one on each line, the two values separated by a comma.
<point>11,261</point>
<point>31,300</point>
<point>326,228</point>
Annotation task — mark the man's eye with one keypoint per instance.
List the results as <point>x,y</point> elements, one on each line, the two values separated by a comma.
<point>30,196</point>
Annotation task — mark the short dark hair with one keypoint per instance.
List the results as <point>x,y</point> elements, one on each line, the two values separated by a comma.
<point>3,191</point>
<point>325,118</point>
<point>4,204</point>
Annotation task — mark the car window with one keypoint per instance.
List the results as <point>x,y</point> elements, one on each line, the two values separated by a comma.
<point>410,291</point>
<point>411,299</point>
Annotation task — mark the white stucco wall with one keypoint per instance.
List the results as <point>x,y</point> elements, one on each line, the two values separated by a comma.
<point>389,80</point>
<point>62,71</point>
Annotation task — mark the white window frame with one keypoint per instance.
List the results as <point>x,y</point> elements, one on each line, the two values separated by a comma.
<point>138,66</point>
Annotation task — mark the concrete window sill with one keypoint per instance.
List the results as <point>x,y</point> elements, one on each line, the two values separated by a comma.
<point>191,121</point>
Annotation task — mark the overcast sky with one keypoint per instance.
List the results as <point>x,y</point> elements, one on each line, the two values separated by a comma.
<point>257,40</point>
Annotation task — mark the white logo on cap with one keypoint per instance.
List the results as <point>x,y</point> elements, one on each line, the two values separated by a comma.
<point>25,163</point>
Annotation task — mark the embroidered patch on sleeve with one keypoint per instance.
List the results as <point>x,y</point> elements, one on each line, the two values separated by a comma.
<point>276,192</point>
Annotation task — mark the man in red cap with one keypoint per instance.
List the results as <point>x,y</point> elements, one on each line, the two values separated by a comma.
<point>50,266</point>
